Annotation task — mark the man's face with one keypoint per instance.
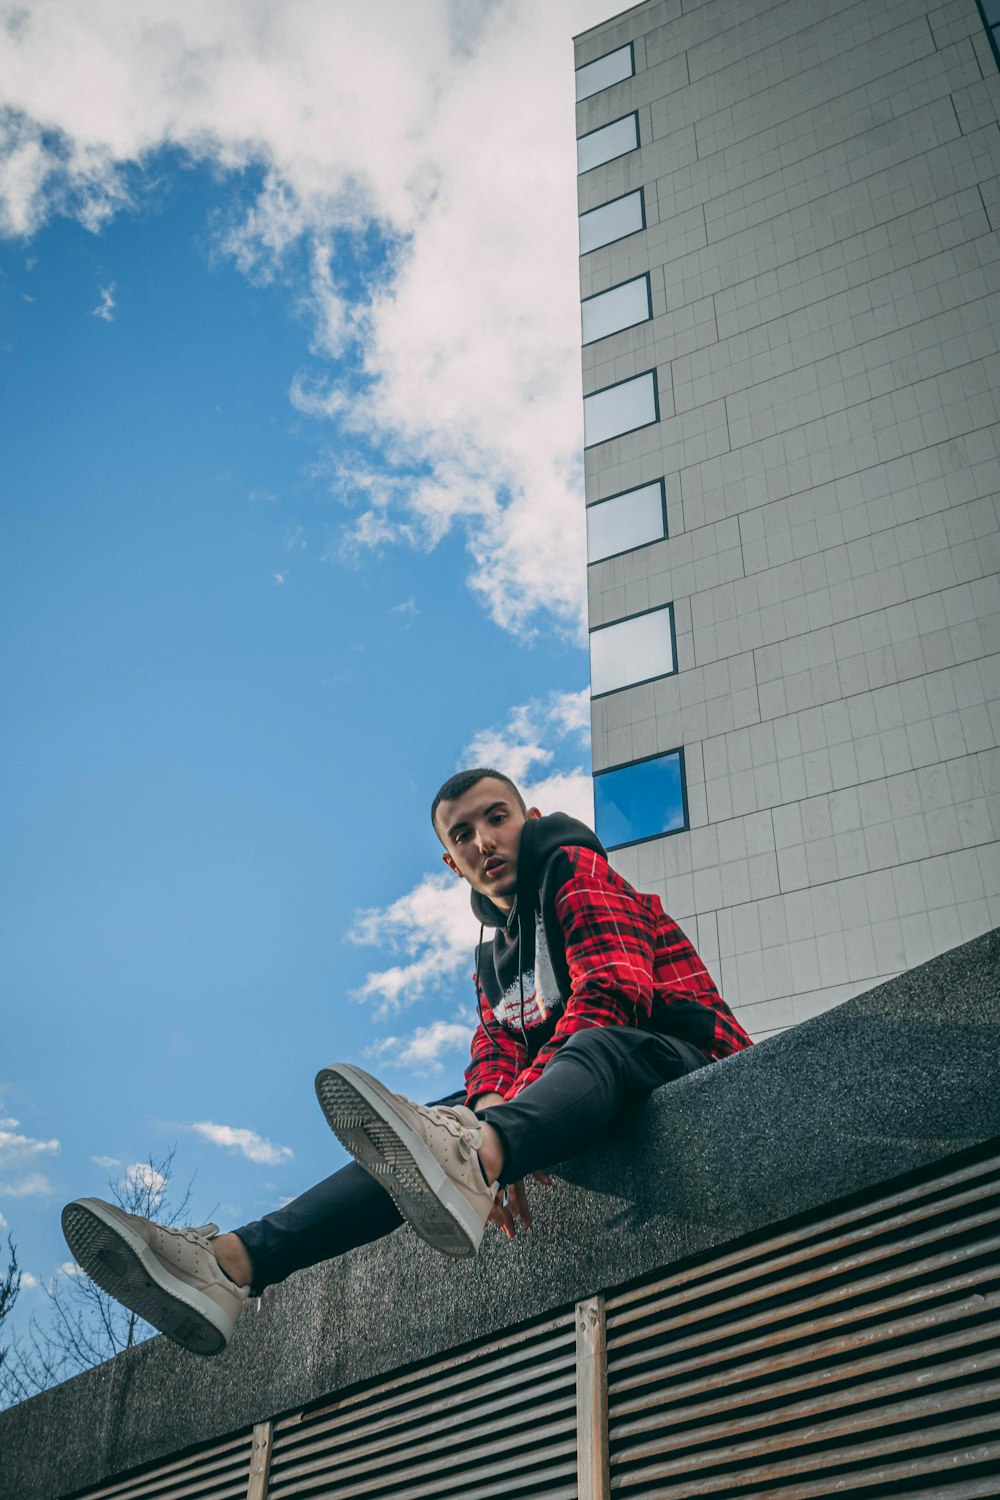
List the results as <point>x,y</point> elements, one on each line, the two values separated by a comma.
<point>481,833</point>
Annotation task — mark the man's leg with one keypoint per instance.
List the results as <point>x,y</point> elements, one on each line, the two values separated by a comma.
<point>338,1214</point>
<point>442,1165</point>
<point>192,1284</point>
<point>593,1077</point>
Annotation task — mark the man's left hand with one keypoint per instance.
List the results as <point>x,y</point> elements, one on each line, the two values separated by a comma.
<point>511,1204</point>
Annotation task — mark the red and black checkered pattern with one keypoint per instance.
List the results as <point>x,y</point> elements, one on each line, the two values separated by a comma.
<point>628,964</point>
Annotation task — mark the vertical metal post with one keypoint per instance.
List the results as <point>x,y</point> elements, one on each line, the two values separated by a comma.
<point>260,1461</point>
<point>592,1469</point>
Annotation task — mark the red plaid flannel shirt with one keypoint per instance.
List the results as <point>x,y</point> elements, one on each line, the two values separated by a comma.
<point>626,959</point>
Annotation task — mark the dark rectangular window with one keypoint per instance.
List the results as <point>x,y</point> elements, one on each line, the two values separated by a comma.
<point>607,143</point>
<point>604,71</point>
<point>643,800</point>
<point>612,221</point>
<point>990,12</point>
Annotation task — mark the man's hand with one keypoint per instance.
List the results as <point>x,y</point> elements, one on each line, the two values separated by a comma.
<point>511,1204</point>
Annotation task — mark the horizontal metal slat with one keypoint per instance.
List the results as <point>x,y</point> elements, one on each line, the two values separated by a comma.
<point>223,1469</point>
<point>676,1434</point>
<point>180,1488</point>
<point>390,1414</point>
<point>922,1409</point>
<point>756,1481</point>
<point>771,1388</point>
<point>784,1288</point>
<point>965,1489</point>
<point>371,1452</point>
<point>709,1297</point>
<point>505,1473</point>
<point>496,1354</point>
<point>737,1339</point>
<point>981,1176</point>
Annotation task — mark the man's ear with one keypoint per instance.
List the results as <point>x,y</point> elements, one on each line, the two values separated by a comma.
<point>533,812</point>
<point>450,862</point>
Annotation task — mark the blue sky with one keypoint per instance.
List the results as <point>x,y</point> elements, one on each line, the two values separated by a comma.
<point>290,527</point>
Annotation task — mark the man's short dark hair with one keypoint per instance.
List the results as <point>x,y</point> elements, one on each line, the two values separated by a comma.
<point>460,783</point>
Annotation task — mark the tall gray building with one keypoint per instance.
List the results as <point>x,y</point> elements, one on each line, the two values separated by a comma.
<point>790,272</point>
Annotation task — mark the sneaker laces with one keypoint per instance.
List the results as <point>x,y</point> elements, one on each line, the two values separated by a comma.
<point>194,1235</point>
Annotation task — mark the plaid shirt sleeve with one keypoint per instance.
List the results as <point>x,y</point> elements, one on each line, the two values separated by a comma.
<point>496,1059</point>
<point>610,947</point>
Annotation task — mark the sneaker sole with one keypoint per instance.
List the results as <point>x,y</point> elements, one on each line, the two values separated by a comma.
<point>123,1265</point>
<point>366,1122</point>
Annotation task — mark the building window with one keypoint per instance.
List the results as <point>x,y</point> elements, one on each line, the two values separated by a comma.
<point>633,650</point>
<point>613,67</point>
<point>612,221</point>
<point>623,522</point>
<point>643,800</point>
<point>990,12</point>
<point>599,146</point>
<point>621,307</point>
<point>620,408</point>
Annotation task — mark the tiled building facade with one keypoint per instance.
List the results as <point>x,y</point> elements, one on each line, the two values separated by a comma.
<point>792,401</point>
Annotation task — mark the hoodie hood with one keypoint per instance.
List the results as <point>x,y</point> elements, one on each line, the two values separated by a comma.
<point>540,838</point>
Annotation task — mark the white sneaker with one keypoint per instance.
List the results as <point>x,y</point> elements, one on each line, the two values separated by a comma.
<point>170,1277</point>
<point>426,1158</point>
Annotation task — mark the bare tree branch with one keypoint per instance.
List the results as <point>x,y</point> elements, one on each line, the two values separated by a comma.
<point>83,1325</point>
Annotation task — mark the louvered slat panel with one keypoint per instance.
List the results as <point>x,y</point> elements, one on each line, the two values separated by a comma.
<point>217,1472</point>
<point>858,1352</point>
<point>431,1432</point>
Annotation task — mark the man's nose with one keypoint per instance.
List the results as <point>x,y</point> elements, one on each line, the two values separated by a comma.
<point>485,840</point>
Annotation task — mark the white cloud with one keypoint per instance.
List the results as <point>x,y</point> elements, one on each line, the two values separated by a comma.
<point>434,931</point>
<point>462,157</point>
<point>237,1138</point>
<point>106,307</point>
<point>431,927</point>
<point>421,1051</point>
<point>70,1268</point>
<point>35,1185</point>
<point>28,1280</point>
<point>142,1176</point>
<point>570,792</point>
<point>521,743</point>
<point>14,1148</point>
<point>3,1222</point>
<point>9,1123</point>
<point>107,1162</point>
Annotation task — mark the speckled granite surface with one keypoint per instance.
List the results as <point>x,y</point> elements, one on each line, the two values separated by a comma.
<point>890,1081</point>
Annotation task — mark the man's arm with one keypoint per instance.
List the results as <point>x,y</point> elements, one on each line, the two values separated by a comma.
<point>496,1060</point>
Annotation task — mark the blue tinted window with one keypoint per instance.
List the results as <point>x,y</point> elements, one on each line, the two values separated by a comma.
<point>990,12</point>
<point>640,801</point>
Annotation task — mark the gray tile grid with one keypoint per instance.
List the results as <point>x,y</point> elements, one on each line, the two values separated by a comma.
<point>822,131</point>
<point>822,186</point>
<point>954,20</point>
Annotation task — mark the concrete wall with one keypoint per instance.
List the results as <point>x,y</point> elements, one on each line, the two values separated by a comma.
<point>822,201</point>
<point>891,1081</point>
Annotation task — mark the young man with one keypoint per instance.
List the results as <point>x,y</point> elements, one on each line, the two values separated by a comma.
<point>589,998</point>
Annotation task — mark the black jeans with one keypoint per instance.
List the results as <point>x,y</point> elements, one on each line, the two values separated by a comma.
<point>582,1090</point>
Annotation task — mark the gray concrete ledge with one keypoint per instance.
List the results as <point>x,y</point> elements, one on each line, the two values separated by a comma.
<point>893,1080</point>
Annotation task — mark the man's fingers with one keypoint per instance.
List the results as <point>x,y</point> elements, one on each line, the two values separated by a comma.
<point>509,1205</point>
<point>543,1178</point>
<point>518,1202</point>
<point>502,1217</point>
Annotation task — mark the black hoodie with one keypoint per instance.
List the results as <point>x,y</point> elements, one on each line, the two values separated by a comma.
<point>523,972</point>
